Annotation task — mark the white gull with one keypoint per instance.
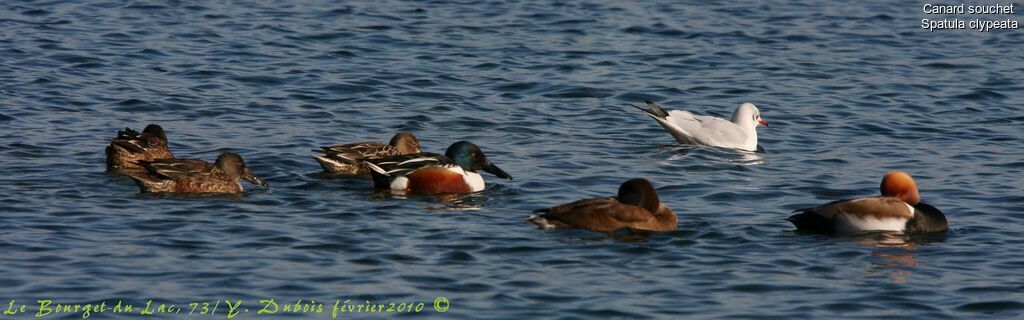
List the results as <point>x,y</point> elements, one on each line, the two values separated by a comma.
<point>740,132</point>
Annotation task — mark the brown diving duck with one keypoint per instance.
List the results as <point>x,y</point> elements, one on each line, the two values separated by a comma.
<point>130,146</point>
<point>898,209</point>
<point>193,175</point>
<point>636,207</point>
<point>350,158</point>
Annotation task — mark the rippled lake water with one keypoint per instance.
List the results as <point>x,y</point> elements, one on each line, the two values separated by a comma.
<point>851,90</point>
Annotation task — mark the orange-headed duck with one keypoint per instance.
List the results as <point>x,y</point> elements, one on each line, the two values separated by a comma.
<point>349,158</point>
<point>130,146</point>
<point>899,209</point>
<point>637,207</point>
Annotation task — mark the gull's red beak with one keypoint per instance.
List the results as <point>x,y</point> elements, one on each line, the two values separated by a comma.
<point>763,123</point>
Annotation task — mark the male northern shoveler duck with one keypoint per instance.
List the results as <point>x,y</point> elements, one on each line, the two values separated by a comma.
<point>740,132</point>
<point>349,158</point>
<point>429,173</point>
<point>130,146</point>
<point>193,175</point>
<point>899,209</point>
<point>636,207</point>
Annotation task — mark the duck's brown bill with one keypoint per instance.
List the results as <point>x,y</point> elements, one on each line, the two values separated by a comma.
<point>248,176</point>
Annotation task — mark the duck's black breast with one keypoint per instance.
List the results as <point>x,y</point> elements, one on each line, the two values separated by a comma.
<point>927,219</point>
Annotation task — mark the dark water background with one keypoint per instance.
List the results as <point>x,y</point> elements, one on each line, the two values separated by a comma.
<point>851,90</point>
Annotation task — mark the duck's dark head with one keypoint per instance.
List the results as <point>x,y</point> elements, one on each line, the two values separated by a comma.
<point>234,167</point>
<point>639,192</point>
<point>155,131</point>
<point>406,143</point>
<point>469,157</point>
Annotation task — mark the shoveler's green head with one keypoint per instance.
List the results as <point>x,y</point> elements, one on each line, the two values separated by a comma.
<point>469,157</point>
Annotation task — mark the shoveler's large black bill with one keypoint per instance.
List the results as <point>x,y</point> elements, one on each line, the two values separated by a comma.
<point>248,176</point>
<point>493,169</point>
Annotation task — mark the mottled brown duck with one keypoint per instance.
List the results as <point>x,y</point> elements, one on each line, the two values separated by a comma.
<point>350,158</point>
<point>194,176</point>
<point>130,146</point>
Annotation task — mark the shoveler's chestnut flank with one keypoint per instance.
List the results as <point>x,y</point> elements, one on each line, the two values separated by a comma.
<point>636,207</point>
<point>430,173</point>
<point>899,209</point>
<point>193,175</point>
<point>349,158</point>
<point>130,146</point>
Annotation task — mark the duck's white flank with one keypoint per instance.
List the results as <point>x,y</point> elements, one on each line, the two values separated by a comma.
<point>848,223</point>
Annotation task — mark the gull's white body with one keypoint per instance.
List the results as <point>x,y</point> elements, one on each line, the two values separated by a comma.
<point>738,133</point>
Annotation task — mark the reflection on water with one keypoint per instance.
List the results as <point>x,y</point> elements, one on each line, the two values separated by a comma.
<point>886,240</point>
<point>749,158</point>
<point>896,252</point>
<point>459,202</point>
<point>631,236</point>
<point>711,154</point>
<point>440,202</point>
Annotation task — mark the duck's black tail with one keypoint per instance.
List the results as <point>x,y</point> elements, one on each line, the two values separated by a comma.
<point>809,221</point>
<point>381,179</point>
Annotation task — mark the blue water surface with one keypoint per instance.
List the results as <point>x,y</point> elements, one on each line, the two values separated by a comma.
<point>851,90</point>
